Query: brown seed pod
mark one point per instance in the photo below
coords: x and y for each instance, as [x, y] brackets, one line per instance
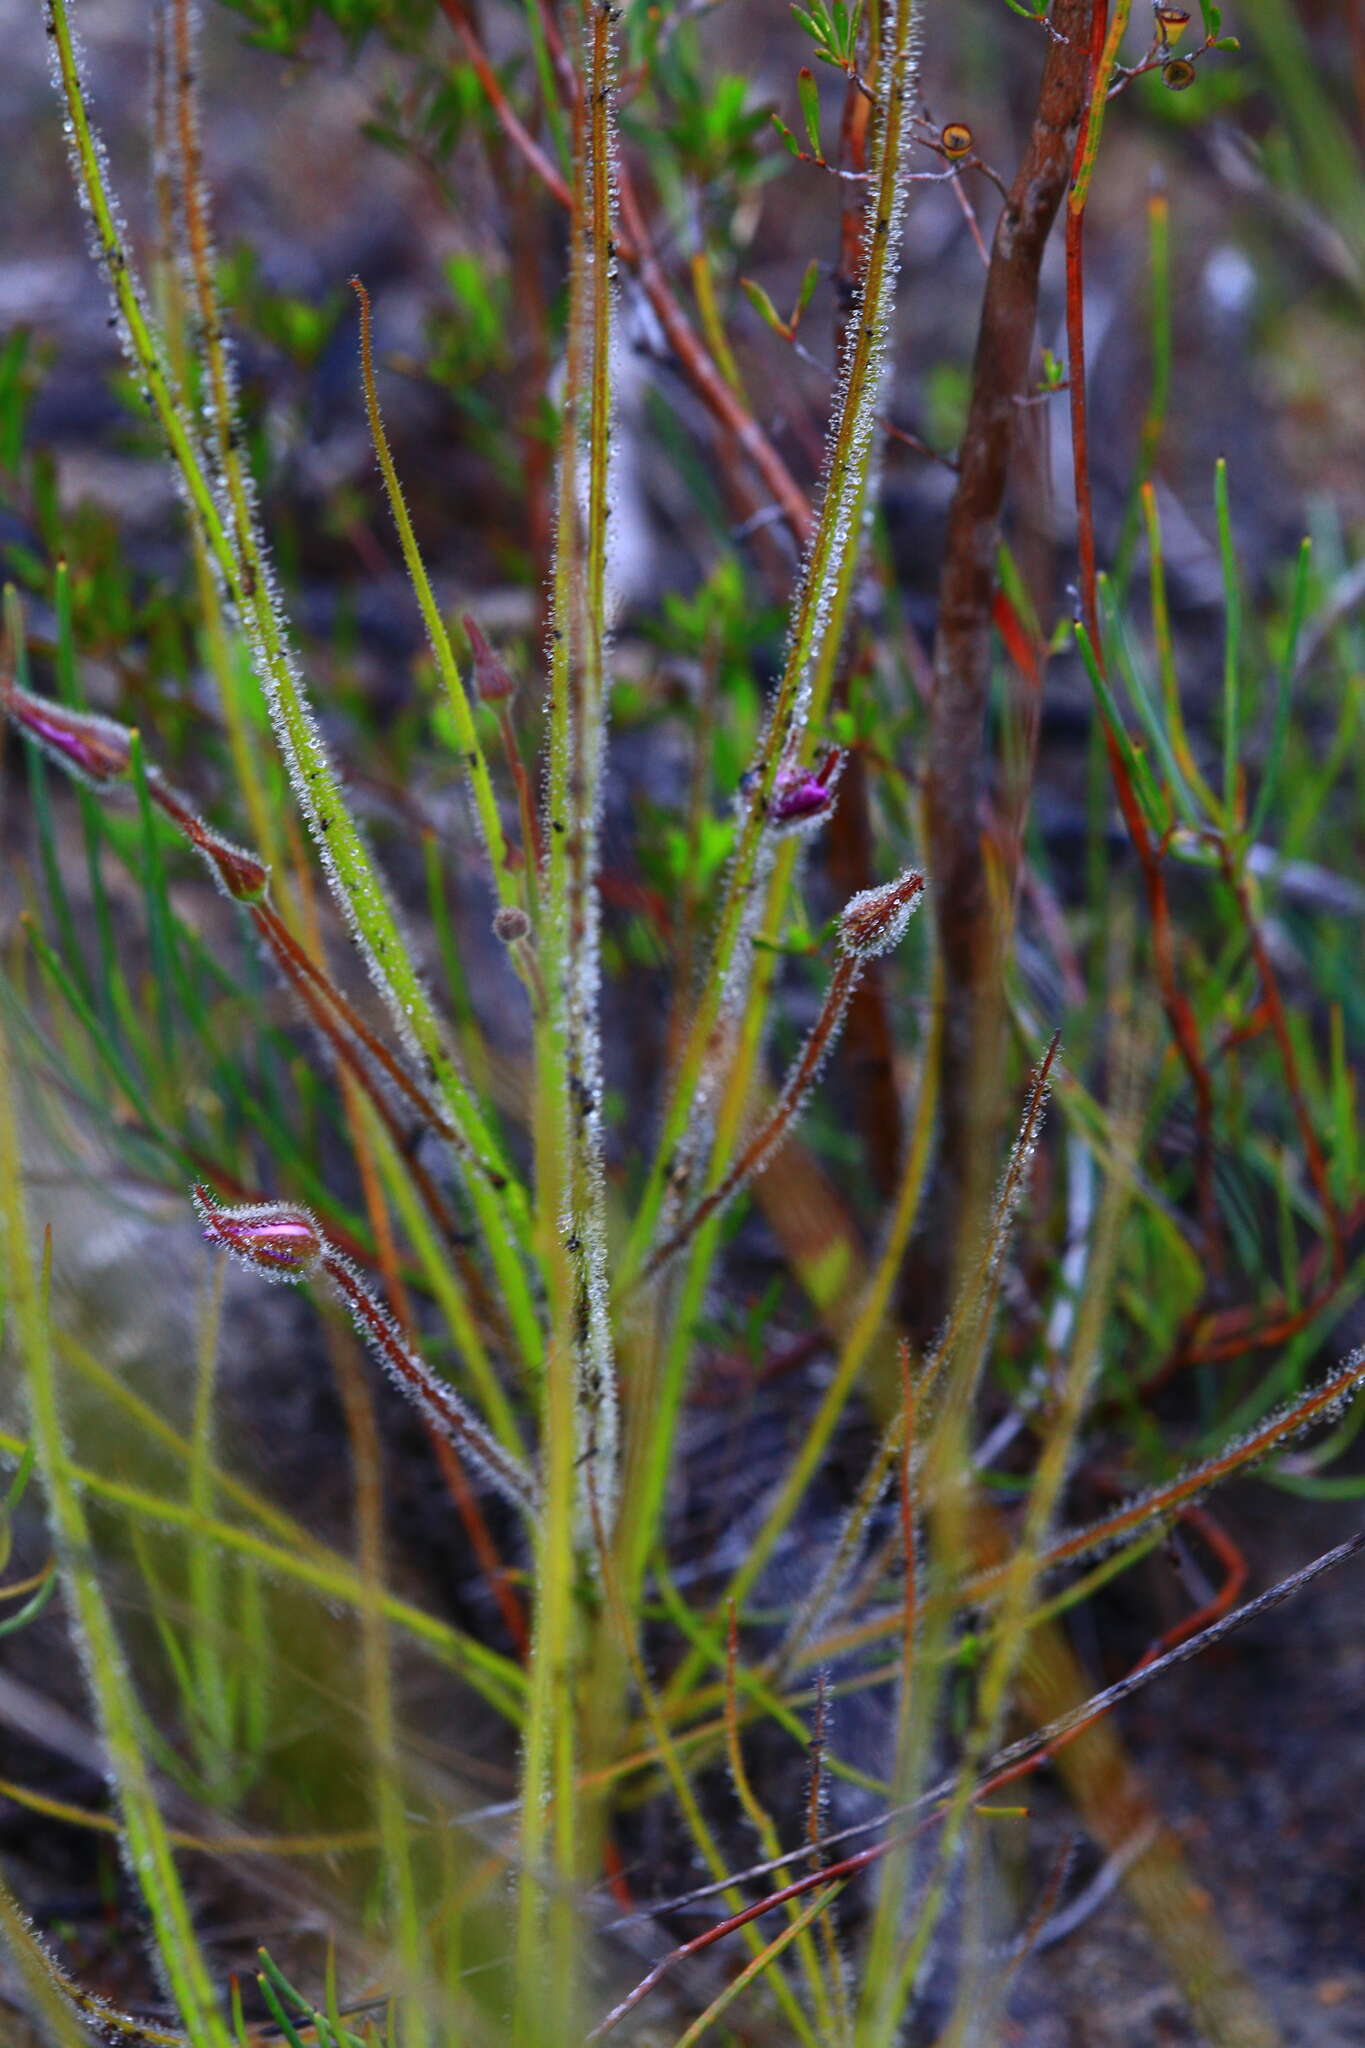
[874, 920]
[955, 140]
[1178, 75]
[511, 925]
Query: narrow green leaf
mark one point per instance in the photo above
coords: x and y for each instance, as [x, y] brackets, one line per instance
[807, 291]
[1119, 652]
[150, 1854]
[788, 138]
[809, 94]
[764, 307]
[1232, 645]
[1139, 773]
[1284, 691]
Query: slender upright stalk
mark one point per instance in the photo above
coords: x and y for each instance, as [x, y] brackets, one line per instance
[226, 519]
[578, 1411]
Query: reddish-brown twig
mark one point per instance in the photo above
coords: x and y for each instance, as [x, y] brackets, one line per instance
[966, 916]
[1233, 1560]
[509, 119]
[634, 247]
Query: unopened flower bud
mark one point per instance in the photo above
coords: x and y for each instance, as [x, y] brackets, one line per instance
[244, 878]
[800, 796]
[490, 675]
[955, 140]
[797, 796]
[875, 920]
[511, 925]
[273, 1238]
[94, 748]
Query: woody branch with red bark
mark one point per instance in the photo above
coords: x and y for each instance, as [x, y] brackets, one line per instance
[968, 926]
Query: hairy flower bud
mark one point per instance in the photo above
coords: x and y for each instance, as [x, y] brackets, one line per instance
[274, 1239]
[95, 748]
[511, 924]
[797, 797]
[244, 878]
[875, 920]
[802, 796]
[490, 674]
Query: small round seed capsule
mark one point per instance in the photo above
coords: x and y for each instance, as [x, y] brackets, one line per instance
[511, 925]
[955, 140]
[1178, 75]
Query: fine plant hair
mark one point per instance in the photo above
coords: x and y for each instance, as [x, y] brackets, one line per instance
[548, 1279]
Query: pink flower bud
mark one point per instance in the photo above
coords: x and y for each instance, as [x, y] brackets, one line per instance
[490, 675]
[875, 920]
[95, 748]
[273, 1238]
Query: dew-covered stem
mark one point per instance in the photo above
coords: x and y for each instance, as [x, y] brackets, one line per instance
[509, 888]
[279, 1241]
[235, 549]
[820, 612]
[863, 937]
[578, 1425]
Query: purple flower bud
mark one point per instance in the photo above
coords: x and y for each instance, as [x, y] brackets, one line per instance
[797, 795]
[95, 748]
[273, 1238]
[802, 795]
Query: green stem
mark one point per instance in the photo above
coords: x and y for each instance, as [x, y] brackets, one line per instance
[233, 544]
[821, 609]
